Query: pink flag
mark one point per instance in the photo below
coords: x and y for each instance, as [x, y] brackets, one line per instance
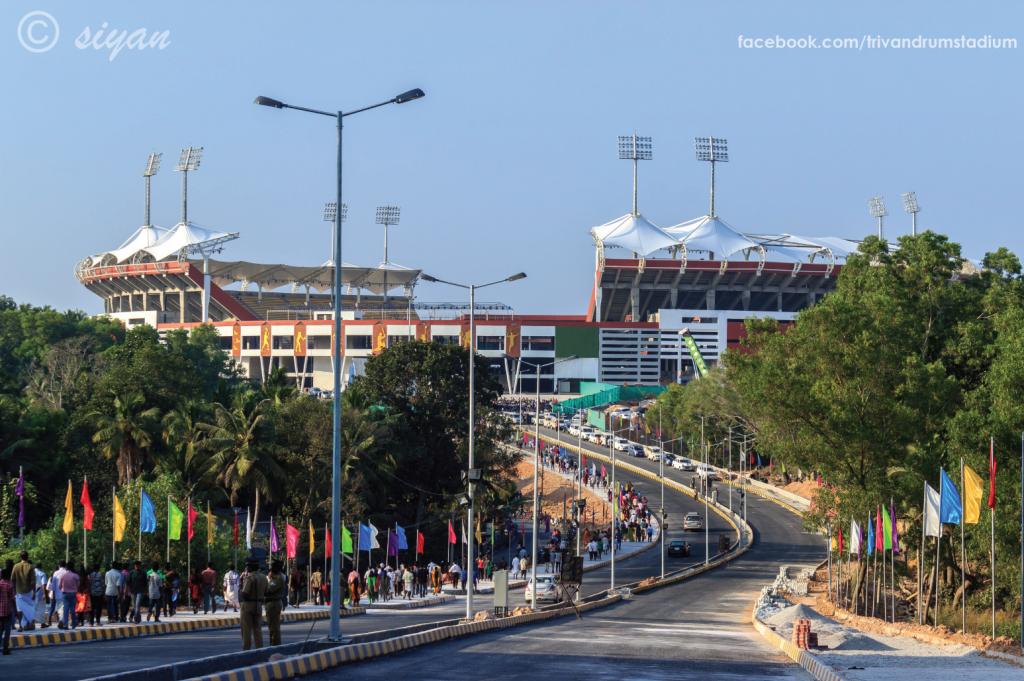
[274, 546]
[291, 540]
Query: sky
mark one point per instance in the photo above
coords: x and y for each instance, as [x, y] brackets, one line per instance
[511, 158]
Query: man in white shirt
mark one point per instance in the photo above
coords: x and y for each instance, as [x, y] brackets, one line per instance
[40, 597]
[54, 588]
[514, 571]
[113, 580]
[231, 579]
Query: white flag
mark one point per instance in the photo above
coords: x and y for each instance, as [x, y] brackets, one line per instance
[373, 535]
[248, 530]
[932, 526]
[854, 538]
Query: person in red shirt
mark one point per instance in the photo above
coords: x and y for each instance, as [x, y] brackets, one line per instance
[6, 609]
[208, 584]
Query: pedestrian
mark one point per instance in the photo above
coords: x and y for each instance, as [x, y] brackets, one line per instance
[353, 587]
[515, 567]
[231, 579]
[294, 585]
[138, 583]
[371, 584]
[111, 590]
[195, 590]
[524, 566]
[7, 610]
[155, 591]
[208, 586]
[252, 594]
[172, 591]
[68, 588]
[97, 595]
[315, 580]
[23, 579]
[273, 600]
[40, 596]
[407, 579]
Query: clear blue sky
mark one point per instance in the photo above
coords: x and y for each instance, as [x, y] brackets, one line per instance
[511, 158]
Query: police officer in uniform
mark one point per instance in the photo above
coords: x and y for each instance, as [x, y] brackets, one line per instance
[254, 590]
[277, 587]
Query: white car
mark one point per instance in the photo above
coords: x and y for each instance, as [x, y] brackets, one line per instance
[635, 450]
[574, 430]
[683, 464]
[705, 471]
[654, 453]
[620, 444]
[547, 589]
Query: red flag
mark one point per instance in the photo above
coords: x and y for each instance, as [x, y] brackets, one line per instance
[879, 531]
[991, 473]
[87, 505]
[420, 542]
[452, 539]
[291, 540]
[840, 540]
[236, 528]
[583, 460]
[192, 514]
[328, 551]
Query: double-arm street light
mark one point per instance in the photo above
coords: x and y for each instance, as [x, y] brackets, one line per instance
[339, 116]
[615, 498]
[536, 467]
[472, 475]
[661, 462]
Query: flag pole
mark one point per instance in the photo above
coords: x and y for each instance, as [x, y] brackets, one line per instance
[140, 523]
[963, 558]
[188, 545]
[85, 535]
[169, 529]
[894, 533]
[209, 537]
[1022, 538]
[938, 558]
[920, 550]
[885, 596]
[992, 525]
[113, 525]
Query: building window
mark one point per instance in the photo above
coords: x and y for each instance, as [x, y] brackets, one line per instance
[539, 343]
[363, 342]
[490, 342]
[284, 342]
[318, 343]
[445, 340]
[250, 342]
[393, 340]
[225, 342]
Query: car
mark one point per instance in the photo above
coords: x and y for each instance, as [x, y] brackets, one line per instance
[654, 453]
[683, 464]
[547, 589]
[678, 547]
[693, 521]
[635, 449]
[574, 430]
[706, 471]
[620, 444]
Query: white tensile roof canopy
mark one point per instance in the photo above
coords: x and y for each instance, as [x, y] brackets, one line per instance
[712, 235]
[319, 277]
[633, 232]
[143, 238]
[186, 239]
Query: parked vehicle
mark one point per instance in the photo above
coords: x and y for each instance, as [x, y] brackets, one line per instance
[547, 589]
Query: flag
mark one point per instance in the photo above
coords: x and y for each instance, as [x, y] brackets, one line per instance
[147, 514]
[886, 529]
[840, 540]
[871, 536]
[950, 510]
[478, 534]
[210, 525]
[879, 531]
[69, 512]
[87, 505]
[855, 539]
[452, 539]
[174, 519]
[403, 542]
[895, 531]
[991, 473]
[604, 471]
[192, 515]
[366, 540]
[973, 492]
[120, 521]
[373, 536]
[932, 527]
[327, 539]
[420, 542]
[291, 540]
[248, 529]
[19, 491]
[312, 540]
[274, 546]
[346, 541]
[392, 543]
[234, 531]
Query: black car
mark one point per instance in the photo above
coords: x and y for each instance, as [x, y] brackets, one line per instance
[678, 547]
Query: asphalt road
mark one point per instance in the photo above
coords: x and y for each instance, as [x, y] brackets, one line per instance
[698, 629]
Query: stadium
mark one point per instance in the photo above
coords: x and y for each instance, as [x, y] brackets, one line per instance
[651, 287]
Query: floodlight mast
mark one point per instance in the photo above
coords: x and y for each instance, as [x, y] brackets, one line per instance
[330, 213]
[876, 206]
[152, 168]
[713, 150]
[910, 205]
[387, 215]
[634, 148]
[189, 161]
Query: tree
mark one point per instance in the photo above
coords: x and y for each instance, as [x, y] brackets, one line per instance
[241, 441]
[185, 437]
[124, 432]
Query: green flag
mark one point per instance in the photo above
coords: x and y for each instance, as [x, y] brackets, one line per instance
[346, 540]
[887, 529]
[174, 519]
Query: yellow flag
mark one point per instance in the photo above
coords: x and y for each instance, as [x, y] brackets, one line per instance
[973, 491]
[312, 542]
[209, 525]
[120, 520]
[69, 512]
[479, 535]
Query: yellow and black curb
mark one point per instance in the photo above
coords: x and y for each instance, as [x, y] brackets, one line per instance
[84, 635]
[301, 665]
[412, 605]
[814, 666]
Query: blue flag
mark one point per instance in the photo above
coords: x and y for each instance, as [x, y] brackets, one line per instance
[147, 514]
[871, 536]
[403, 543]
[365, 538]
[951, 511]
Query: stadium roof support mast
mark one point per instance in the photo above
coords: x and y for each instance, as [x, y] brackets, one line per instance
[330, 214]
[387, 215]
[189, 161]
[876, 206]
[634, 148]
[910, 206]
[339, 116]
[713, 150]
[152, 168]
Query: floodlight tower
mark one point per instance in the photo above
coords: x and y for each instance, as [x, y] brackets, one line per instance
[910, 206]
[387, 215]
[876, 206]
[331, 213]
[634, 148]
[152, 168]
[713, 150]
[189, 161]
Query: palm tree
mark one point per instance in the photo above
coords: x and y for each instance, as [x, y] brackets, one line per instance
[277, 387]
[123, 433]
[242, 458]
[185, 439]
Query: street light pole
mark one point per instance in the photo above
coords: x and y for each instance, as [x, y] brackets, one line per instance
[704, 448]
[408, 96]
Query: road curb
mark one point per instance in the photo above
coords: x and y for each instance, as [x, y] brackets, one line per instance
[65, 637]
[814, 666]
[412, 605]
[301, 665]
